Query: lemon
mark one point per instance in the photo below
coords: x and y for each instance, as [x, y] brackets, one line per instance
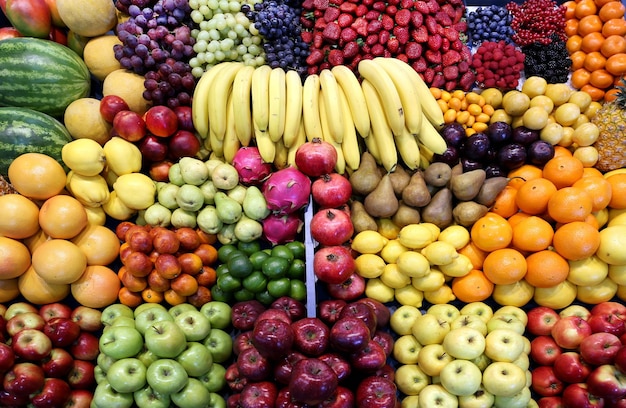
[556, 297]
[387, 228]
[617, 273]
[369, 265]
[457, 235]
[514, 294]
[434, 229]
[440, 253]
[617, 217]
[410, 296]
[535, 118]
[377, 290]
[413, 264]
[460, 266]
[368, 242]
[440, 296]
[602, 292]
[392, 250]
[416, 236]
[612, 242]
[433, 280]
[393, 278]
[588, 271]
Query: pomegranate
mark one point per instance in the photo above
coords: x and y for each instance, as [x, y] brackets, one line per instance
[250, 166]
[316, 157]
[331, 227]
[333, 264]
[331, 190]
[287, 190]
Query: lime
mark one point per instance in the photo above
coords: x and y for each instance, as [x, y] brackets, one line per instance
[224, 251]
[221, 270]
[228, 283]
[218, 294]
[297, 248]
[256, 282]
[297, 290]
[243, 294]
[265, 297]
[297, 270]
[279, 287]
[249, 247]
[283, 251]
[275, 267]
[240, 266]
[257, 258]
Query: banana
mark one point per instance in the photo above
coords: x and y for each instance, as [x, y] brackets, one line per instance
[389, 97]
[371, 147]
[429, 105]
[350, 143]
[430, 137]
[300, 140]
[293, 112]
[425, 152]
[280, 158]
[260, 97]
[241, 104]
[407, 89]
[382, 132]
[408, 148]
[199, 107]
[231, 141]
[613, 172]
[267, 148]
[218, 92]
[334, 114]
[352, 90]
[217, 145]
[277, 104]
[310, 107]
[340, 166]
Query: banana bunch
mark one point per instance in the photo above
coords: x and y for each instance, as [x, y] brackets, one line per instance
[389, 111]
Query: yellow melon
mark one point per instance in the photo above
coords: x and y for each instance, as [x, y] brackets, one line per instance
[99, 57]
[90, 18]
[83, 120]
[128, 86]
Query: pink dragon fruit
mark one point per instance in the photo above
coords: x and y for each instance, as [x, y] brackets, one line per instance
[281, 228]
[250, 166]
[287, 190]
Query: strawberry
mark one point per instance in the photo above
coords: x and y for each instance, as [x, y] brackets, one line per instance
[467, 80]
[393, 45]
[348, 34]
[391, 10]
[420, 34]
[307, 36]
[445, 44]
[419, 64]
[450, 58]
[460, 26]
[438, 80]
[431, 24]
[335, 57]
[387, 22]
[348, 7]
[457, 45]
[451, 34]
[433, 57]
[443, 18]
[372, 15]
[345, 20]
[331, 14]
[318, 39]
[434, 42]
[459, 14]
[402, 17]
[393, 2]
[374, 26]
[320, 4]
[406, 4]
[433, 6]
[316, 56]
[320, 24]
[413, 50]
[360, 26]
[307, 22]
[350, 50]
[403, 58]
[463, 66]
[308, 5]
[422, 7]
[417, 18]
[451, 72]
[371, 39]
[378, 50]
[324, 65]
[331, 32]
[429, 76]
[383, 37]
[401, 34]
[450, 85]
[335, 2]
[361, 10]
[466, 54]
[365, 48]
[312, 70]
[379, 6]
[449, 10]
[368, 3]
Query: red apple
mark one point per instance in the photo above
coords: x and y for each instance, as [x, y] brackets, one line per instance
[63, 331]
[571, 368]
[570, 331]
[87, 318]
[79, 399]
[23, 379]
[544, 350]
[129, 125]
[81, 375]
[578, 395]
[50, 310]
[349, 290]
[31, 345]
[58, 364]
[7, 358]
[620, 359]
[28, 320]
[550, 402]
[55, 393]
[85, 347]
[19, 307]
[545, 382]
[607, 381]
[600, 348]
[377, 392]
[382, 312]
[615, 308]
[541, 319]
[161, 121]
[607, 323]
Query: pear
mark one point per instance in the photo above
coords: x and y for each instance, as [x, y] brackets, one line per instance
[466, 213]
[382, 201]
[361, 220]
[193, 171]
[399, 179]
[254, 204]
[416, 193]
[228, 209]
[465, 186]
[439, 210]
[438, 174]
[365, 179]
[406, 215]
[490, 190]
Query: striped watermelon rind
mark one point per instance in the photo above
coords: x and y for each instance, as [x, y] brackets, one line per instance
[24, 130]
[41, 75]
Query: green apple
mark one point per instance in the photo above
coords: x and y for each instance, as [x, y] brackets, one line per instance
[465, 343]
[147, 357]
[481, 362]
[220, 344]
[444, 311]
[147, 318]
[506, 321]
[165, 339]
[461, 377]
[182, 307]
[575, 310]
[149, 398]
[504, 379]
[513, 310]
[193, 395]
[523, 361]
[410, 379]
[430, 329]
[219, 313]
[215, 379]
[504, 345]
[99, 374]
[147, 305]
[166, 376]
[410, 401]
[194, 324]
[121, 342]
[113, 311]
[127, 375]
[480, 399]
[122, 321]
[434, 395]
[196, 359]
[432, 358]
[104, 396]
[402, 319]
[519, 400]
[480, 309]
[104, 361]
[216, 401]
[473, 321]
[406, 349]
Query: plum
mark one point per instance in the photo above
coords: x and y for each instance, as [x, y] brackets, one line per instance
[512, 156]
[476, 146]
[499, 133]
[539, 152]
[524, 136]
[449, 156]
[453, 133]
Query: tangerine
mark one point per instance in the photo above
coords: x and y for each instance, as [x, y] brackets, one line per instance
[532, 234]
[569, 204]
[532, 197]
[563, 171]
[576, 240]
[473, 287]
[546, 268]
[598, 188]
[491, 232]
[618, 191]
[505, 266]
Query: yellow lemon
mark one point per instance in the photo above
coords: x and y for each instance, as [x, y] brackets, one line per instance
[410, 296]
[515, 294]
[392, 250]
[556, 297]
[612, 243]
[457, 235]
[368, 242]
[369, 266]
[621, 292]
[617, 273]
[434, 229]
[440, 296]
[393, 278]
[602, 216]
[377, 290]
[387, 228]
[416, 236]
[588, 271]
[460, 266]
[413, 264]
[433, 280]
[616, 217]
[602, 292]
[440, 253]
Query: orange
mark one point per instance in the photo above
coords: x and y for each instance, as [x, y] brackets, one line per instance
[20, 216]
[37, 176]
[14, 258]
[611, 95]
[505, 266]
[591, 172]
[505, 204]
[532, 234]
[618, 191]
[616, 64]
[601, 78]
[173, 298]
[592, 42]
[128, 298]
[570, 9]
[612, 9]
[596, 93]
[571, 27]
[475, 254]
[569, 204]
[613, 44]
[62, 216]
[491, 232]
[59, 261]
[598, 188]
[589, 24]
[594, 60]
[546, 269]
[573, 43]
[36, 290]
[522, 174]
[516, 218]
[578, 59]
[563, 171]
[98, 287]
[473, 287]
[99, 244]
[614, 26]
[585, 8]
[576, 240]
[150, 295]
[580, 78]
[532, 197]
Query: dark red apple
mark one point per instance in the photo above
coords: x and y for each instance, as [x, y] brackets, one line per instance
[382, 312]
[607, 323]
[153, 148]
[545, 382]
[600, 348]
[23, 379]
[55, 393]
[329, 310]
[284, 366]
[550, 402]
[161, 121]
[342, 398]
[571, 368]
[376, 392]
[183, 143]
[385, 339]
[620, 359]
[234, 379]
[278, 314]
[258, 394]
[79, 399]
[312, 381]
[295, 309]
[311, 336]
[541, 319]
[544, 350]
[85, 347]
[242, 341]
[370, 358]
[253, 365]
[58, 364]
[245, 314]
[57, 309]
[7, 358]
[349, 335]
[361, 311]
[284, 400]
[340, 365]
[607, 381]
[273, 337]
[63, 331]
[81, 375]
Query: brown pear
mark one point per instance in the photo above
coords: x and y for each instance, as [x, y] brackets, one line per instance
[406, 215]
[490, 190]
[361, 220]
[439, 210]
[399, 179]
[382, 201]
[456, 170]
[437, 174]
[465, 186]
[365, 179]
[416, 193]
[466, 213]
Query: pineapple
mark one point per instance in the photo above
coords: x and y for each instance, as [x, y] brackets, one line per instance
[611, 143]
[5, 187]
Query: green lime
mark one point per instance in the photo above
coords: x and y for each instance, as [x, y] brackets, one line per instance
[228, 283]
[268, 251]
[297, 270]
[297, 290]
[218, 294]
[240, 266]
[283, 251]
[249, 247]
[275, 267]
[224, 251]
[279, 287]
[257, 259]
[256, 282]
[265, 298]
[298, 249]
[221, 270]
[243, 294]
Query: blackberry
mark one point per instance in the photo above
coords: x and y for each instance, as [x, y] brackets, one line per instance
[550, 61]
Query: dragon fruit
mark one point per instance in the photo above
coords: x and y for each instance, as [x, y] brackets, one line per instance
[287, 190]
[281, 228]
[250, 166]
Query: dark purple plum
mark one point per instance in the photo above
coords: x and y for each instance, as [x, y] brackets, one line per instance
[524, 136]
[539, 152]
[453, 134]
[469, 164]
[512, 156]
[499, 132]
[476, 146]
[494, 170]
[449, 156]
